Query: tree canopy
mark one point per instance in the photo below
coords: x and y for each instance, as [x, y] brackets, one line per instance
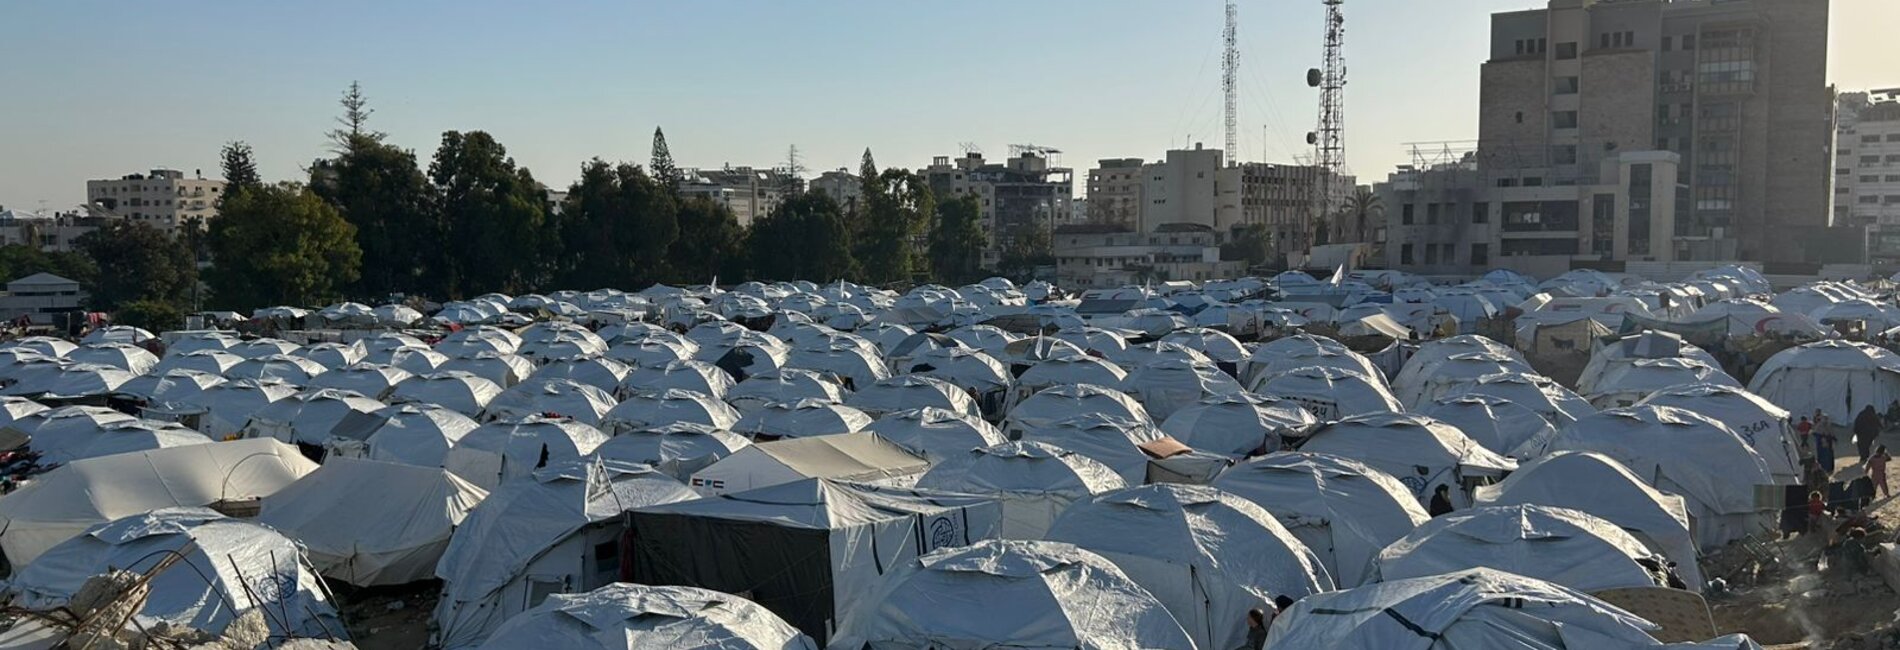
[804, 239]
[616, 228]
[280, 245]
[137, 262]
[495, 217]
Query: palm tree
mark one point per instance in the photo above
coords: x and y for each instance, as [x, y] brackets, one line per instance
[1361, 206]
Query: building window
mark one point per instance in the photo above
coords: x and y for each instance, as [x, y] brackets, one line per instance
[1564, 154]
[1669, 43]
[1480, 254]
[1431, 253]
[1563, 120]
[1520, 117]
[1405, 254]
[1870, 160]
[1893, 137]
[1567, 85]
[1603, 41]
[1480, 213]
[1405, 214]
[1870, 200]
[1431, 215]
[1874, 178]
[1688, 41]
[1603, 224]
[1640, 196]
[1893, 178]
[1842, 171]
[1869, 139]
[1566, 51]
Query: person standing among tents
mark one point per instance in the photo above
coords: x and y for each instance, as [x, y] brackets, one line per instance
[1441, 501]
[1804, 434]
[1893, 414]
[1824, 448]
[1257, 622]
[1877, 469]
[1866, 429]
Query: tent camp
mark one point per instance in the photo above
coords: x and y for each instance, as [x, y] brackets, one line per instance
[1061, 402]
[1109, 440]
[906, 392]
[1535, 392]
[1660, 520]
[1836, 377]
[623, 616]
[231, 568]
[1170, 385]
[678, 449]
[1479, 608]
[1684, 453]
[1330, 393]
[561, 397]
[1011, 594]
[1033, 482]
[1766, 427]
[1420, 452]
[1567, 547]
[1424, 363]
[1501, 425]
[369, 523]
[1207, 555]
[65, 502]
[811, 551]
[934, 433]
[801, 419]
[1457, 369]
[412, 434]
[505, 450]
[787, 385]
[1342, 509]
[860, 457]
[673, 405]
[372, 380]
[306, 419]
[1628, 382]
[461, 392]
[557, 533]
[1239, 424]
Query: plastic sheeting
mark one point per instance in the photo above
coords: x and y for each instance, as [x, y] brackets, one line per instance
[1033, 482]
[1836, 377]
[623, 616]
[1422, 453]
[1766, 427]
[1239, 425]
[370, 523]
[1567, 547]
[1685, 453]
[1342, 509]
[1479, 609]
[1659, 519]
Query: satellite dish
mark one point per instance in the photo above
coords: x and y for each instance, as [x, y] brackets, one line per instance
[1312, 138]
[1312, 77]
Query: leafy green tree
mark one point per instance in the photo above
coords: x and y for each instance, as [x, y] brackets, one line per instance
[616, 228]
[893, 223]
[379, 189]
[240, 168]
[664, 171]
[18, 261]
[495, 218]
[280, 245]
[1250, 243]
[1029, 247]
[805, 238]
[153, 315]
[957, 241]
[138, 262]
[710, 245]
[354, 128]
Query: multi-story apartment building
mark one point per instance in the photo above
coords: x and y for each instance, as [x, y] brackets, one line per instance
[1025, 193]
[1194, 186]
[55, 232]
[1115, 192]
[1736, 88]
[1092, 256]
[1454, 218]
[1867, 171]
[839, 184]
[164, 198]
[750, 193]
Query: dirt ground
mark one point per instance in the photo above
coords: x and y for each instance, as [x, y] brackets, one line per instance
[1786, 594]
[389, 618]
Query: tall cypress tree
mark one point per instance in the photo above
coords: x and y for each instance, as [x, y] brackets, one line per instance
[240, 169]
[662, 166]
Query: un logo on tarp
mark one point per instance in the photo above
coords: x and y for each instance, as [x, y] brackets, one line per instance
[943, 533]
[1414, 483]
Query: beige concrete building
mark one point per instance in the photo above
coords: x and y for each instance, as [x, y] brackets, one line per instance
[1456, 219]
[1867, 170]
[1115, 192]
[839, 184]
[1095, 256]
[164, 198]
[1027, 192]
[1194, 186]
[750, 193]
[1737, 88]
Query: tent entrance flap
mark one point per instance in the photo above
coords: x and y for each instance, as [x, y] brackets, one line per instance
[787, 570]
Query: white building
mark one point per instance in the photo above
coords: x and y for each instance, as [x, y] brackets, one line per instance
[1867, 169]
[1093, 256]
[41, 297]
[163, 198]
[55, 232]
[1194, 186]
[839, 184]
[1027, 192]
[750, 193]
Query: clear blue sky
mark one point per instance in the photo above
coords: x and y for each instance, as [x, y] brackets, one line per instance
[96, 89]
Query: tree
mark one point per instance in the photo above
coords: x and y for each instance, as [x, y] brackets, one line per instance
[18, 261]
[710, 244]
[355, 121]
[893, 219]
[138, 262]
[1252, 243]
[1360, 209]
[280, 245]
[240, 169]
[664, 171]
[803, 239]
[616, 228]
[495, 218]
[152, 315]
[1029, 247]
[379, 189]
[956, 241]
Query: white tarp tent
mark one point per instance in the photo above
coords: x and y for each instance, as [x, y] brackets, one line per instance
[506, 450]
[1479, 609]
[1688, 454]
[370, 523]
[934, 433]
[231, 568]
[533, 538]
[1420, 452]
[1062, 402]
[1567, 547]
[1342, 509]
[1011, 594]
[1207, 555]
[905, 392]
[623, 616]
[63, 503]
[1111, 441]
[1239, 425]
[1659, 519]
[1169, 385]
[678, 449]
[671, 406]
[1330, 393]
[1836, 377]
[860, 456]
[1766, 427]
[1502, 426]
[1033, 482]
[1536, 392]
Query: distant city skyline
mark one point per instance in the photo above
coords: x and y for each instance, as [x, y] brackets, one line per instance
[96, 93]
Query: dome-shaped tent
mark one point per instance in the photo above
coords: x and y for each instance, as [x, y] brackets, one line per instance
[934, 433]
[1567, 547]
[1681, 452]
[1659, 519]
[1034, 482]
[623, 616]
[1239, 424]
[1343, 509]
[1501, 425]
[1420, 452]
[1765, 427]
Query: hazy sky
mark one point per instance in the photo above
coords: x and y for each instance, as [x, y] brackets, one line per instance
[94, 89]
